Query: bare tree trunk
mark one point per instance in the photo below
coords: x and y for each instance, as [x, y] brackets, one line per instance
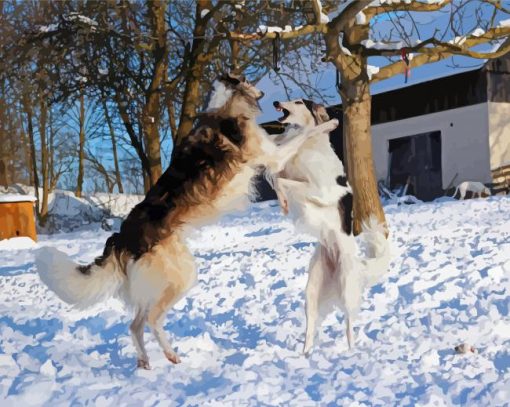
[171, 117]
[151, 109]
[26, 150]
[43, 215]
[146, 175]
[195, 71]
[235, 48]
[134, 139]
[14, 153]
[30, 127]
[51, 154]
[4, 177]
[118, 179]
[4, 181]
[169, 102]
[81, 151]
[356, 104]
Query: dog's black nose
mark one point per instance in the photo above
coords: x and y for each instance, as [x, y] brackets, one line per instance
[261, 95]
[276, 103]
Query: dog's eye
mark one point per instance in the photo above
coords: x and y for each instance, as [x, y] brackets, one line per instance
[298, 102]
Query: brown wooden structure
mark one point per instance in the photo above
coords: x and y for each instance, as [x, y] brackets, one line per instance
[501, 177]
[17, 217]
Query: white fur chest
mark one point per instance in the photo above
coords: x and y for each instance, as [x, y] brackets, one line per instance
[316, 163]
[236, 194]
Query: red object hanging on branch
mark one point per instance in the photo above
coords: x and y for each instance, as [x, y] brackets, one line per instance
[405, 57]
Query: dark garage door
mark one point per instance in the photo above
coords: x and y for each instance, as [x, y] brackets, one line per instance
[416, 160]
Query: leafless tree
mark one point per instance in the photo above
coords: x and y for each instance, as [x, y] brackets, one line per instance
[351, 38]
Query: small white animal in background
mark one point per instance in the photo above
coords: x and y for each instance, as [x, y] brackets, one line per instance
[465, 348]
[477, 188]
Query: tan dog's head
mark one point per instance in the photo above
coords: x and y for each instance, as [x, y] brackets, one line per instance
[302, 112]
[234, 96]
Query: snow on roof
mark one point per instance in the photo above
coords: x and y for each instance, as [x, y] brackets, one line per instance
[17, 198]
[17, 243]
[381, 87]
[504, 23]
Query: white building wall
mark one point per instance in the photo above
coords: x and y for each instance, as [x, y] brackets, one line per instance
[464, 142]
[499, 135]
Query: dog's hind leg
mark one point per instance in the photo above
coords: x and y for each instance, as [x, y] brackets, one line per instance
[155, 320]
[317, 297]
[136, 328]
[180, 275]
[462, 193]
[348, 331]
[157, 281]
[312, 309]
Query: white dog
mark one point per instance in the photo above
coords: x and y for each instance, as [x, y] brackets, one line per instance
[477, 188]
[313, 189]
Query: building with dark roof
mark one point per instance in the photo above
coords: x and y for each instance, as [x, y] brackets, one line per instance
[436, 134]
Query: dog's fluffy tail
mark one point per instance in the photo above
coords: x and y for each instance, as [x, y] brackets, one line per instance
[378, 254]
[82, 286]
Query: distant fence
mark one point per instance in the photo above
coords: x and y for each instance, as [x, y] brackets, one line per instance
[501, 179]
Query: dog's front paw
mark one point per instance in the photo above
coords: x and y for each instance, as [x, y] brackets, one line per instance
[285, 207]
[333, 124]
[143, 364]
[173, 357]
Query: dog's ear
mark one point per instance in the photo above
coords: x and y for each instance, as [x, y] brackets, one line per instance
[232, 79]
[230, 128]
[320, 113]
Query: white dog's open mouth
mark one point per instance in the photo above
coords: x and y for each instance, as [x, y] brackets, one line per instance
[286, 113]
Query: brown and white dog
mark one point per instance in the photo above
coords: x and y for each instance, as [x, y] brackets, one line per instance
[147, 263]
[476, 188]
[312, 187]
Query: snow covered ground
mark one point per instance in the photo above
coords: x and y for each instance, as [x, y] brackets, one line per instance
[240, 331]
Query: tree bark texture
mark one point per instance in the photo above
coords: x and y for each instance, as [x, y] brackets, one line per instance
[43, 215]
[356, 105]
[356, 102]
[81, 148]
[151, 109]
[30, 127]
[113, 138]
[194, 74]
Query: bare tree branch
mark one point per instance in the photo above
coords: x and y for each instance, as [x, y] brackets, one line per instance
[284, 35]
[347, 15]
[446, 50]
[418, 6]
[497, 5]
